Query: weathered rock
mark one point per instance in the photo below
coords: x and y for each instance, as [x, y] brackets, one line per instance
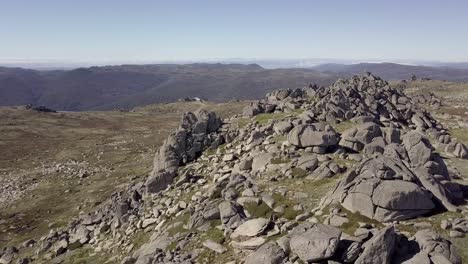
[216, 247]
[250, 244]
[313, 135]
[380, 248]
[417, 147]
[261, 161]
[282, 127]
[436, 247]
[231, 214]
[252, 110]
[318, 243]
[269, 253]
[420, 258]
[251, 228]
[405, 197]
[159, 181]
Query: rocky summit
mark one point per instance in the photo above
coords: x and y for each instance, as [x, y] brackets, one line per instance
[357, 172]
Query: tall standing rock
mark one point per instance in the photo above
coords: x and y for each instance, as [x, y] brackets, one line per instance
[184, 145]
[380, 248]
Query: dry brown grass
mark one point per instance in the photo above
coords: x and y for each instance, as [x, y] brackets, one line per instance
[120, 146]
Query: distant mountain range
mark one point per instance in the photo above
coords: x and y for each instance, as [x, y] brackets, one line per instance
[393, 71]
[126, 86]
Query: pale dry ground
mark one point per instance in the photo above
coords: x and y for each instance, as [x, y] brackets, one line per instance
[114, 147]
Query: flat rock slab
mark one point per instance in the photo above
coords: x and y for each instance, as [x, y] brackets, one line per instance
[250, 244]
[216, 247]
[251, 228]
[318, 243]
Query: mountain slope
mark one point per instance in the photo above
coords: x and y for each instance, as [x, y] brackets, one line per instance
[395, 71]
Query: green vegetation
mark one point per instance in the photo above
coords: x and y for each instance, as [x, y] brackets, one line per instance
[279, 160]
[279, 139]
[172, 246]
[215, 235]
[290, 213]
[342, 126]
[354, 219]
[346, 163]
[208, 256]
[298, 173]
[460, 134]
[179, 222]
[263, 119]
[242, 122]
[84, 255]
[315, 189]
[258, 210]
[212, 151]
[140, 238]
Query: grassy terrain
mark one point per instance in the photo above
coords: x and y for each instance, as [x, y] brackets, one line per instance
[113, 147]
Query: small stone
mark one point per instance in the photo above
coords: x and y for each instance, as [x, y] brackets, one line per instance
[149, 221]
[456, 234]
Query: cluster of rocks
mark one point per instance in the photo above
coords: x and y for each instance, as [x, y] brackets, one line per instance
[72, 169]
[40, 108]
[401, 182]
[187, 143]
[458, 226]
[14, 185]
[220, 189]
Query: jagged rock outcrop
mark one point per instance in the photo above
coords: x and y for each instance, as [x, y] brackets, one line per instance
[380, 248]
[319, 136]
[187, 143]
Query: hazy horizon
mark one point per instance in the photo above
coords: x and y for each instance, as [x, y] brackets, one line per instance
[151, 31]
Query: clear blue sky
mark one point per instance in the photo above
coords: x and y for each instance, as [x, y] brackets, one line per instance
[116, 30]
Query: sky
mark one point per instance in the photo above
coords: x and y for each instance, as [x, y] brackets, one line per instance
[138, 30]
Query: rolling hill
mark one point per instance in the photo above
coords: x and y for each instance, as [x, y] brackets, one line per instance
[126, 86]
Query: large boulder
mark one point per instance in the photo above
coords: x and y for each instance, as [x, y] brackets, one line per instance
[251, 228]
[439, 249]
[380, 248]
[318, 243]
[399, 200]
[282, 127]
[159, 181]
[260, 161]
[312, 135]
[182, 146]
[357, 137]
[457, 149]
[252, 110]
[418, 148]
[269, 253]
[387, 189]
[231, 214]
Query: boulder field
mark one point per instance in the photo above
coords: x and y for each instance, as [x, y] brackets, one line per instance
[332, 174]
